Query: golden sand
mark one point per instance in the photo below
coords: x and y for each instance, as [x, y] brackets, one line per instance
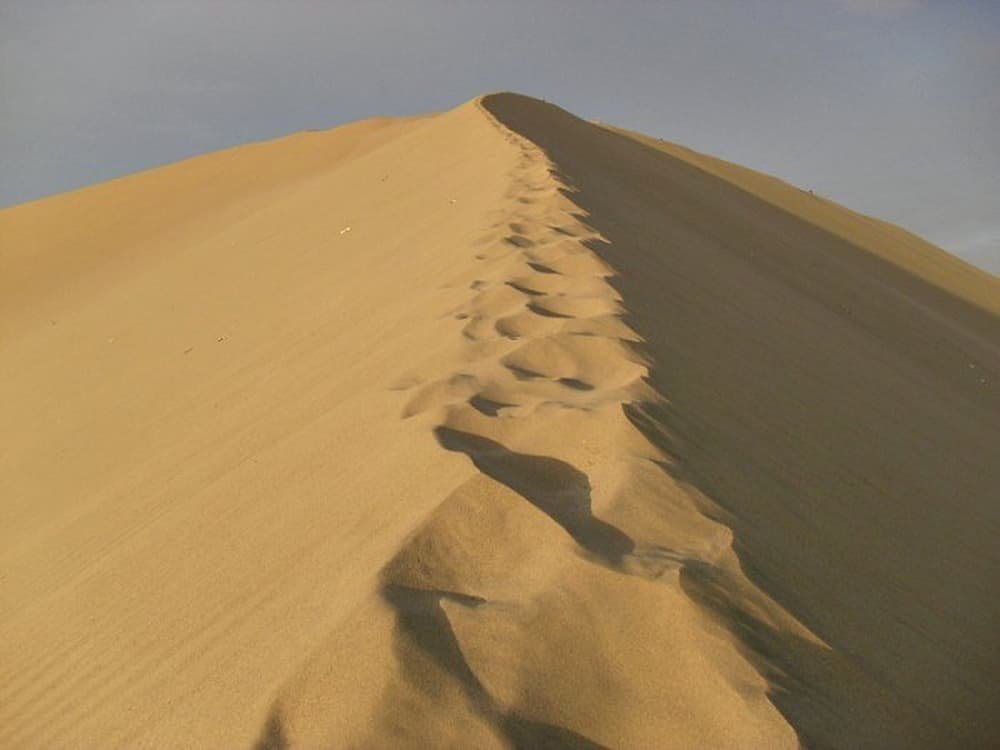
[492, 428]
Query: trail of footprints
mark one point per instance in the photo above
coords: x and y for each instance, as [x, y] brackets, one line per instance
[542, 330]
[542, 325]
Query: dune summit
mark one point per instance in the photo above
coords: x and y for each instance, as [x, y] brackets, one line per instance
[491, 428]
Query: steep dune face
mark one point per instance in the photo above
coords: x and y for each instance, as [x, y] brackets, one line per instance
[831, 383]
[462, 431]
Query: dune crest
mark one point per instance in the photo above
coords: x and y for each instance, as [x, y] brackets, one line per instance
[569, 539]
[494, 428]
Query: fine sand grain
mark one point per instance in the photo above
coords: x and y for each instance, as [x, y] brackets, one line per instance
[491, 428]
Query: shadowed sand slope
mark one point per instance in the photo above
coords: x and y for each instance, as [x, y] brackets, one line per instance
[491, 428]
[832, 384]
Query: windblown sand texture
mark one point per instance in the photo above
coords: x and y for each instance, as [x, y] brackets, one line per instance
[493, 428]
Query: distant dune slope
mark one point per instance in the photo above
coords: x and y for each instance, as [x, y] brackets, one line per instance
[492, 428]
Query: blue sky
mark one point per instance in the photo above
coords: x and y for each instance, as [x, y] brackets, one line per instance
[891, 107]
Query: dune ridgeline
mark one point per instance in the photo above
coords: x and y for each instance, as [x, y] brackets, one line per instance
[492, 428]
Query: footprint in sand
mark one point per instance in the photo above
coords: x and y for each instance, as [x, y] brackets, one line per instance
[556, 488]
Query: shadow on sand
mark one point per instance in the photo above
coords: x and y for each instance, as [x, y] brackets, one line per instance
[821, 397]
[555, 487]
[423, 623]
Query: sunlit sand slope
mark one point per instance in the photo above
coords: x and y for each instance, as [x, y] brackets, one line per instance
[492, 428]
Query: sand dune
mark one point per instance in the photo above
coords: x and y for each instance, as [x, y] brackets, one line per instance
[492, 428]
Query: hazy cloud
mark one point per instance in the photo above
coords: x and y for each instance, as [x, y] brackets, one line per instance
[878, 7]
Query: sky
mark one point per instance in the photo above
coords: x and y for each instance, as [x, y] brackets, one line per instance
[891, 107]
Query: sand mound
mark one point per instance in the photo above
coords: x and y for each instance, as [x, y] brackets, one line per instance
[495, 428]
